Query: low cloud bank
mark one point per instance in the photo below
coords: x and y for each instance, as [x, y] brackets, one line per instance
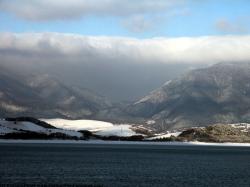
[69, 48]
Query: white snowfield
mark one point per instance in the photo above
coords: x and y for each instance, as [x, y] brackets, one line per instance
[10, 127]
[166, 135]
[77, 125]
[242, 126]
[119, 130]
[98, 127]
[5, 129]
[69, 127]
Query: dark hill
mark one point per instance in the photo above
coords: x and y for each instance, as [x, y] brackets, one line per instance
[217, 94]
[40, 95]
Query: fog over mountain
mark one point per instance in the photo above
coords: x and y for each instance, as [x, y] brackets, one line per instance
[216, 94]
[39, 95]
[79, 76]
[119, 68]
[118, 82]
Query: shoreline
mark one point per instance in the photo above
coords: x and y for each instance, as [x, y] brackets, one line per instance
[101, 142]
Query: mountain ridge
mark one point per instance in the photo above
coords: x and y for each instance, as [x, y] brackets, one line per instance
[41, 95]
[217, 94]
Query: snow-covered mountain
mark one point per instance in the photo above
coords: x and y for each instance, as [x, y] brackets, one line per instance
[40, 95]
[217, 94]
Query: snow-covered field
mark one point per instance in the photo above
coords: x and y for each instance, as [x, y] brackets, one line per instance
[244, 127]
[10, 127]
[69, 127]
[165, 135]
[5, 129]
[118, 130]
[77, 125]
[98, 127]
[22, 126]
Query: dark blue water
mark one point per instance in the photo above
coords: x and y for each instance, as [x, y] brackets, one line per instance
[124, 165]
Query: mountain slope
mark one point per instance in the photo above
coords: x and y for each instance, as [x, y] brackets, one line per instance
[40, 95]
[217, 94]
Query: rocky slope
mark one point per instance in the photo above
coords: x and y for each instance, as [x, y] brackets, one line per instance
[217, 133]
[217, 94]
[40, 95]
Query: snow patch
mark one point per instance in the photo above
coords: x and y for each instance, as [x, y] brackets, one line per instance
[10, 127]
[150, 122]
[5, 130]
[100, 128]
[27, 126]
[155, 96]
[119, 130]
[166, 135]
[77, 125]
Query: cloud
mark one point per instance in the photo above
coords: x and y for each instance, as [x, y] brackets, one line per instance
[47, 10]
[71, 48]
[226, 26]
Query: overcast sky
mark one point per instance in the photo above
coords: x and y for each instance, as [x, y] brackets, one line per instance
[168, 31]
[131, 33]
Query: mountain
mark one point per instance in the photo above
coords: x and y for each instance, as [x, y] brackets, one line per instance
[216, 94]
[40, 95]
[201, 97]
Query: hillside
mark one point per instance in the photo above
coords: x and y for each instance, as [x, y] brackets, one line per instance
[217, 94]
[201, 97]
[217, 133]
[40, 95]
[31, 128]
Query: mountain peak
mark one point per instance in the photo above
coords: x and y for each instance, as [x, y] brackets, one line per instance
[216, 94]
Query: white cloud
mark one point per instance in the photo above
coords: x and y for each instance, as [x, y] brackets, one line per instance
[43, 10]
[135, 16]
[49, 47]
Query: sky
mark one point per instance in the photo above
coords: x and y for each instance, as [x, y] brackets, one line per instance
[143, 31]
[122, 48]
[127, 18]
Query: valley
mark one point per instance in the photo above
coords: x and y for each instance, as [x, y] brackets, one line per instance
[216, 94]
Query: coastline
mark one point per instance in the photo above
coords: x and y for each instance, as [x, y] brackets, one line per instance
[100, 142]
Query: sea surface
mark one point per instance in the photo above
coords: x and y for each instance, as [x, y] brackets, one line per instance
[123, 165]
